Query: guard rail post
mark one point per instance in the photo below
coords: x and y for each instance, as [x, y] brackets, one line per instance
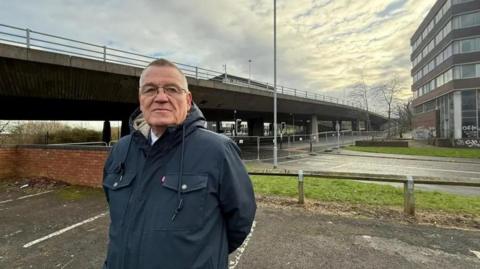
[288, 146]
[258, 148]
[301, 194]
[408, 196]
[311, 144]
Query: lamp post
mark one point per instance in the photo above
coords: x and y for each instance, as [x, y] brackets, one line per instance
[225, 67]
[249, 71]
[274, 84]
[293, 126]
[234, 133]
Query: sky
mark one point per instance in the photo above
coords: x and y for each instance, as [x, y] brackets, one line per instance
[323, 46]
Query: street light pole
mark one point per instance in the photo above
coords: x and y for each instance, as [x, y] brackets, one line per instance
[234, 133]
[249, 70]
[274, 84]
[225, 66]
[293, 125]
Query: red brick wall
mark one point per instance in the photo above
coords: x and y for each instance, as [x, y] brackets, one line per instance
[7, 160]
[425, 120]
[72, 164]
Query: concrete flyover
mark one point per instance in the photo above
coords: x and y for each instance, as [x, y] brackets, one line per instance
[45, 85]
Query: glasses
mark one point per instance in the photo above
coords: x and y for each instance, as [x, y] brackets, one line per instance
[152, 90]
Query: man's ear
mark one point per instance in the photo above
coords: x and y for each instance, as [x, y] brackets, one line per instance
[189, 100]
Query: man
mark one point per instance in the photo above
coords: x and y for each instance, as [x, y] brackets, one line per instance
[179, 195]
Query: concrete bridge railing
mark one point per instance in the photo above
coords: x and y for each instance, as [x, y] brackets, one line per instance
[44, 41]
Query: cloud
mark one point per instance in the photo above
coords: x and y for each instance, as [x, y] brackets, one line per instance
[322, 45]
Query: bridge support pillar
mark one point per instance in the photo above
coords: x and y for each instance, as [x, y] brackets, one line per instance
[255, 127]
[354, 125]
[314, 128]
[107, 132]
[219, 126]
[125, 129]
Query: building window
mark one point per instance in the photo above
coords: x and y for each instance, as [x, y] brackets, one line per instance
[469, 114]
[467, 71]
[429, 106]
[448, 76]
[418, 109]
[455, 2]
[467, 20]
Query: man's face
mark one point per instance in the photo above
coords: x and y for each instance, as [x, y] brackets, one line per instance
[163, 108]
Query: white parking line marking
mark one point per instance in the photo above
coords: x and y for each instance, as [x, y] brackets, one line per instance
[32, 195]
[242, 248]
[6, 201]
[64, 230]
[477, 253]
[12, 234]
[24, 197]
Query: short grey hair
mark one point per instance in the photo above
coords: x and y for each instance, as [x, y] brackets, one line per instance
[165, 63]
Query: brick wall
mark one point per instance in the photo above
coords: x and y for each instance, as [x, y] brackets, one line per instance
[7, 160]
[425, 120]
[72, 164]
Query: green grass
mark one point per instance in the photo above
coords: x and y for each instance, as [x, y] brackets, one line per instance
[334, 190]
[427, 151]
[74, 193]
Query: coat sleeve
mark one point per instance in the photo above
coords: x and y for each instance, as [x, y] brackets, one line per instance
[237, 198]
[108, 163]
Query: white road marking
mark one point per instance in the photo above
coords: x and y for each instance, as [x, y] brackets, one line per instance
[477, 253]
[397, 166]
[32, 195]
[12, 234]
[337, 166]
[24, 197]
[63, 230]
[434, 169]
[68, 263]
[6, 201]
[242, 248]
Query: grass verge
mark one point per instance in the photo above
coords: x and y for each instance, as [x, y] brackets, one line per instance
[74, 193]
[436, 152]
[333, 190]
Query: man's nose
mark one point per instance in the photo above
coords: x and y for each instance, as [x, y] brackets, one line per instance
[161, 96]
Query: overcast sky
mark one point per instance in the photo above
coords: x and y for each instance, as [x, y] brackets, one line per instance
[322, 46]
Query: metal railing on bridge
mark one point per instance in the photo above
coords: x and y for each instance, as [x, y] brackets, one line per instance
[44, 41]
[292, 145]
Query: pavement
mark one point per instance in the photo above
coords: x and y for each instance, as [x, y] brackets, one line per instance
[405, 157]
[66, 227]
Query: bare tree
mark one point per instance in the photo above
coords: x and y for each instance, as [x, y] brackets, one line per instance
[404, 113]
[390, 92]
[363, 93]
[4, 126]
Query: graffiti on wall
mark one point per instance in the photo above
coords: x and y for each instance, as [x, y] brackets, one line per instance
[469, 131]
[422, 133]
[468, 143]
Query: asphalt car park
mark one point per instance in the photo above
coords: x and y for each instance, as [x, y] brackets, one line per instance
[66, 227]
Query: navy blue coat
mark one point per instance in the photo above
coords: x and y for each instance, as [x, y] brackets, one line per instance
[185, 202]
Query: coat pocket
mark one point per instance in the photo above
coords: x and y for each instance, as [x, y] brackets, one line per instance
[118, 189]
[193, 190]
